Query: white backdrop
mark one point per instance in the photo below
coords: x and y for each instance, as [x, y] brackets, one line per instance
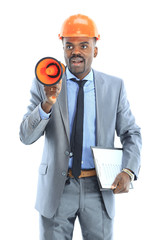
[131, 47]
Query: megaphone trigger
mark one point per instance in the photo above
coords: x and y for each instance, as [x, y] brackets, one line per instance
[49, 71]
[53, 97]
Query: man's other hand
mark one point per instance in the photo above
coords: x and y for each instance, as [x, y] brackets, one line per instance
[121, 183]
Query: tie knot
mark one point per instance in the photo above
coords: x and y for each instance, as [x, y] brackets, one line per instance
[80, 82]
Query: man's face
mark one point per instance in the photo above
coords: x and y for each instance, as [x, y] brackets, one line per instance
[79, 53]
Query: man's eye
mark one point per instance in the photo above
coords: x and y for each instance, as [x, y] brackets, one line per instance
[69, 47]
[84, 46]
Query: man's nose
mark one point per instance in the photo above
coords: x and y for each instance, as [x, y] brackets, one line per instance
[76, 51]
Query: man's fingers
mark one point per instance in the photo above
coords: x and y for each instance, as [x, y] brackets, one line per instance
[115, 183]
[52, 92]
[119, 189]
[121, 183]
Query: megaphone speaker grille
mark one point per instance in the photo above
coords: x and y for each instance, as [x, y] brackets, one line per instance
[49, 71]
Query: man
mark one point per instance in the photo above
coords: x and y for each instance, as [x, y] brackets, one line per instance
[64, 191]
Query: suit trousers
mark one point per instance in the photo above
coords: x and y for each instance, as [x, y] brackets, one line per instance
[81, 198]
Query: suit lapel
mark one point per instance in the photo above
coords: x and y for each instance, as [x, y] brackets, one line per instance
[99, 103]
[63, 106]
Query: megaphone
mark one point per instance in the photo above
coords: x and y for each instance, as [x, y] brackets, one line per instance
[49, 71]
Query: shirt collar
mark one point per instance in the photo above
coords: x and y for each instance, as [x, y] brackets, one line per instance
[89, 76]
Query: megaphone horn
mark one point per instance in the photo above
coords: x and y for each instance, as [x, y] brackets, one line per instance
[49, 71]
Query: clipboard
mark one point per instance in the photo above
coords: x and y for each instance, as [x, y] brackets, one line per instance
[108, 164]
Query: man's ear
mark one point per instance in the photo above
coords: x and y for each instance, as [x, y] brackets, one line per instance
[95, 52]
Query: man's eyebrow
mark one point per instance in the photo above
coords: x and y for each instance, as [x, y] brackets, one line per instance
[84, 42]
[68, 43]
[80, 42]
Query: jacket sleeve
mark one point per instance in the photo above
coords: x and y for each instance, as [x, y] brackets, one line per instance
[129, 134]
[32, 126]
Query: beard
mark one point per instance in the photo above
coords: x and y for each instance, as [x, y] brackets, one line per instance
[76, 64]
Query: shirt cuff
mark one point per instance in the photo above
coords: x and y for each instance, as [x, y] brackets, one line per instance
[44, 115]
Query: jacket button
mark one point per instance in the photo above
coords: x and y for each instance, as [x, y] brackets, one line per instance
[67, 153]
[63, 174]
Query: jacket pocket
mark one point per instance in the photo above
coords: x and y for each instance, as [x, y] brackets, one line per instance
[43, 169]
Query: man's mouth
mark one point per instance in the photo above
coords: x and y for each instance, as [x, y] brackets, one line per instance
[76, 61]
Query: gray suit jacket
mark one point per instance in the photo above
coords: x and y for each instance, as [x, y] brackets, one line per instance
[113, 114]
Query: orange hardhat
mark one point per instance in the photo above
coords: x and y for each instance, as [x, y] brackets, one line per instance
[79, 26]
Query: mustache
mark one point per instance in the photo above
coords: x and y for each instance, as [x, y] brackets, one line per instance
[76, 56]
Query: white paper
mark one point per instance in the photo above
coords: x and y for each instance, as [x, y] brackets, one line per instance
[108, 164]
